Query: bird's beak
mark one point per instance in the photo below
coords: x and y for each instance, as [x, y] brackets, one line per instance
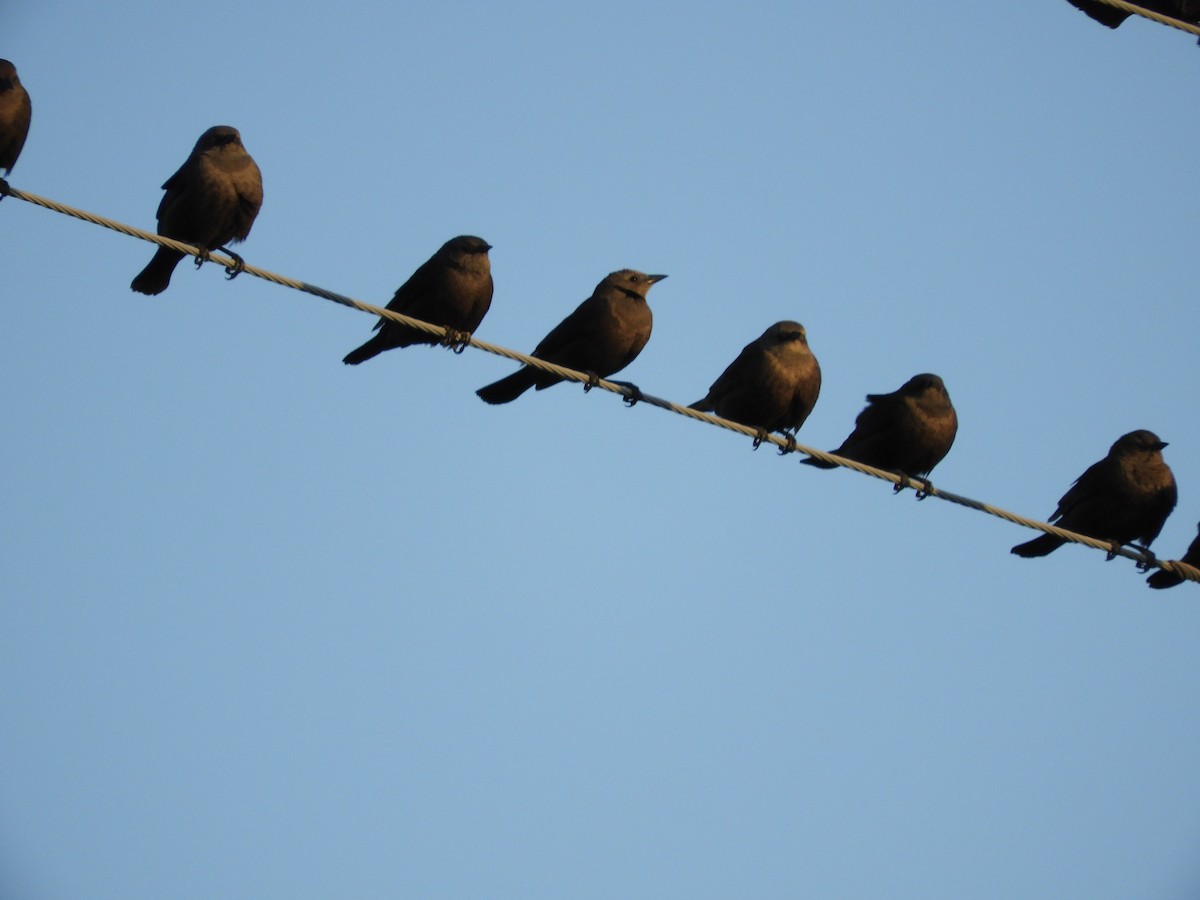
[1161, 445]
[653, 279]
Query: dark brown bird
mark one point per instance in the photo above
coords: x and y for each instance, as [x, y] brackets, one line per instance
[15, 113]
[1164, 579]
[1125, 497]
[602, 336]
[453, 288]
[1184, 10]
[908, 431]
[211, 201]
[772, 385]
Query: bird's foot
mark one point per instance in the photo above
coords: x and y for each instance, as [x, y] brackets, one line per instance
[760, 435]
[202, 257]
[456, 341]
[1149, 560]
[239, 264]
[922, 486]
[632, 393]
[593, 380]
[789, 444]
[1114, 550]
[635, 393]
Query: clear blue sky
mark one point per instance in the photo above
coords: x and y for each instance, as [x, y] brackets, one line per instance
[277, 627]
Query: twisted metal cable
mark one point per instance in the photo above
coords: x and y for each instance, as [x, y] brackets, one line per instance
[1153, 16]
[631, 394]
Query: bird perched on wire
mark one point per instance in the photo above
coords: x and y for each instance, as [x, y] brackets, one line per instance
[773, 384]
[211, 201]
[1125, 497]
[453, 288]
[908, 431]
[15, 113]
[1164, 579]
[601, 337]
[1184, 10]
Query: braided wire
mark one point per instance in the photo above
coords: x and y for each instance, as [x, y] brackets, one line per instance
[632, 395]
[1153, 16]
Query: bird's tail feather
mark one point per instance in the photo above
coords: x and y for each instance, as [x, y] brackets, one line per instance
[1164, 579]
[157, 275]
[1039, 546]
[819, 463]
[510, 387]
[371, 348]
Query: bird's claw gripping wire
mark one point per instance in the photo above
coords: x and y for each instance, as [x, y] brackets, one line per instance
[922, 486]
[202, 257]
[456, 341]
[760, 435]
[789, 444]
[634, 393]
[239, 264]
[593, 380]
[1149, 560]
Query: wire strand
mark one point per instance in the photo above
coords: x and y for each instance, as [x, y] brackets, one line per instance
[631, 394]
[1153, 16]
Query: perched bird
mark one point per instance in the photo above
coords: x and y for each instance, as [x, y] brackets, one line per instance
[211, 201]
[908, 431]
[772, 385]
[602, 336]
[453, 288]
[1184, 10]
[1125, 497]
[1164, 579]
[15, 112]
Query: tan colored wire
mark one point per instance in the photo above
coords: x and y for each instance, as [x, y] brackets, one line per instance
[1153, 16]
[631, 395]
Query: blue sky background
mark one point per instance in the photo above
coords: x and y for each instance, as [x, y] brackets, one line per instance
[278, 627]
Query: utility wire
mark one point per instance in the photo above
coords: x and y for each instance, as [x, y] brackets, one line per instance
[632, 395]
[1153, 16]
